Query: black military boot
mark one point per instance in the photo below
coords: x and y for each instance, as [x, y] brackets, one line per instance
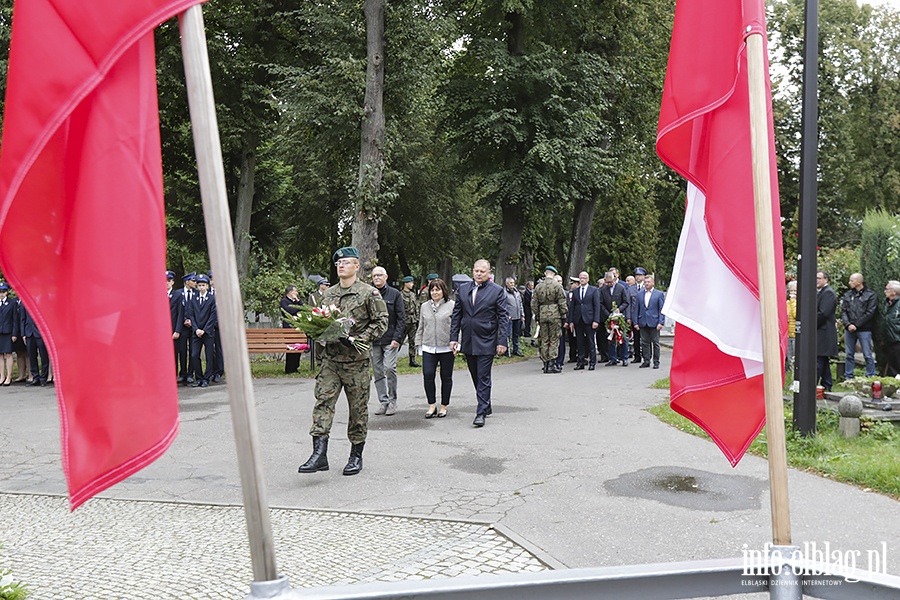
[413, 363]
[546, 366]
[354, 465]
[318, 461]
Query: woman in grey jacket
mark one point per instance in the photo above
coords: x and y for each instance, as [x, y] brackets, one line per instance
[433, 340]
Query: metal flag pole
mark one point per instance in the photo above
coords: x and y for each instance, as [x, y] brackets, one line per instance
[768, 291]
[228, 292]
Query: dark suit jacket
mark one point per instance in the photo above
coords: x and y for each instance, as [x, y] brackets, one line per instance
[484, 325]
[176, 309]
[202, 315]
[585, 311]
[651, 315]
[27, 328]
[290, 307]
[616, 294]
[396, 330]
[8, 315]
[826, 330]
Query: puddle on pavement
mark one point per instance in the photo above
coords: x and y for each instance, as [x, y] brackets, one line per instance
[689, 488]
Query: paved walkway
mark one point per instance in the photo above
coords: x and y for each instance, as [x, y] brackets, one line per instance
[571, 470]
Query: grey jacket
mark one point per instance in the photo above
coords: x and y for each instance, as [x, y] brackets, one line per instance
[434, 325]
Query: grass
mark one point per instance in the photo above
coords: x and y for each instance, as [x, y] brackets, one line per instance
[870, 461]
[268, 367]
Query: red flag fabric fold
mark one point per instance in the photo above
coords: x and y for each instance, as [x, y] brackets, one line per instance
[82, 228]
[704, 135]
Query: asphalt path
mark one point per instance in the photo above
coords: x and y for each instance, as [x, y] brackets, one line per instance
[572, 465]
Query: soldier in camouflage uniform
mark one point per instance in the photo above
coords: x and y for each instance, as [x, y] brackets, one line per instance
[343, 366]
[549, 307]
[411, 305]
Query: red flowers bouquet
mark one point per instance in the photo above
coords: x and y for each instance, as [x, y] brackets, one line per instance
[298, 347]
[616, 325]
[324, 324]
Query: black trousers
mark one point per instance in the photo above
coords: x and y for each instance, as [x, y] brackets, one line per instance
[823, 372]
[584, 334]
[207, 342]
[430, 363]
[40, 371]
[480, 370]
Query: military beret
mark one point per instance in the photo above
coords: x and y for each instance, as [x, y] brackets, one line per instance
[190, 276]
[170, 274]
[4, 287]
[407, 279]
[345, 252]
[202, 278]
[551, 268]
[432, 276]
[640, 271]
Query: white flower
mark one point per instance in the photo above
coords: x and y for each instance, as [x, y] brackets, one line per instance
[6, 581]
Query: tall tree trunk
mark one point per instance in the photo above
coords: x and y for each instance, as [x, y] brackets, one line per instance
[581, 233]
[371, 155]
[244, 209]
[403, 262]
[510, 241]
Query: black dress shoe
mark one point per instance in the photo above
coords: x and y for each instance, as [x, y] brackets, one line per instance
[624, 363]
[217, 378]
[655, 366]
[197, 384]
[591, 367]
[204, 384]
[578, 368]
[611, 363]
[479, 421]
[181, 380]
[36, 382]
[644, 366]
[635, 361]
[488, 412]
[190, 379]
[518, 354]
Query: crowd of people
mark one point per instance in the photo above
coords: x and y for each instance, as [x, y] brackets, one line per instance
[858, 317]
[618, 321]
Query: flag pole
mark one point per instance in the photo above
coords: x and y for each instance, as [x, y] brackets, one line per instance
[768, 291]
[228, 293]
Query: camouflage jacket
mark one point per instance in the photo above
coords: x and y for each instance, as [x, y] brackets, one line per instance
[549, 302]
[365, 305]
[411, 305]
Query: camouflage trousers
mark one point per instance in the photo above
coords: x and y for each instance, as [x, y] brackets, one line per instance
[354, 378]
[411, 337]
[548, 340]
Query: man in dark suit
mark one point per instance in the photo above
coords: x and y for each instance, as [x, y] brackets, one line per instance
[185, 367]
[649, 320]
[481, 317]
[826, 330]
[176, 309]
[584, 319]
[613, 292]
[204, 318]
[38, 357]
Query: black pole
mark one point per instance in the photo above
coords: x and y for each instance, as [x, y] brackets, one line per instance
[805, 363]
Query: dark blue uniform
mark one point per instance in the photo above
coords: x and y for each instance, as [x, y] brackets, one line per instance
[28, 329]
[203, 316]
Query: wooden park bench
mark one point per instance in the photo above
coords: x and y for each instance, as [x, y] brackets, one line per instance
[276, 341]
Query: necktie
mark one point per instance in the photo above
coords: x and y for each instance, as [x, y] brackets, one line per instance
[474, 293]
[582, 294]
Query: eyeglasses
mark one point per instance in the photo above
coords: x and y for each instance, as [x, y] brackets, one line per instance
[343, 262]
[379, 274]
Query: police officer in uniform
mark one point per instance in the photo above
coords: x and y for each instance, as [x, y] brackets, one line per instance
[344, 367]
[412, 306]
[549, 305]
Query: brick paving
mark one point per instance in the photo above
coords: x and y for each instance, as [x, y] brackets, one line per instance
[123, 549]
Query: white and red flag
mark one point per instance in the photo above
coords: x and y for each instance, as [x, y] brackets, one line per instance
[82, 229]
[704, 135]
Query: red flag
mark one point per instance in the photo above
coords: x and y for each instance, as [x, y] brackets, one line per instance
[82, 229]
[704, 134]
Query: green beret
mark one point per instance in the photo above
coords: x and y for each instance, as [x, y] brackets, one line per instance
[345, 252]
[407, 279]
[551, 268]
[432, 276]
